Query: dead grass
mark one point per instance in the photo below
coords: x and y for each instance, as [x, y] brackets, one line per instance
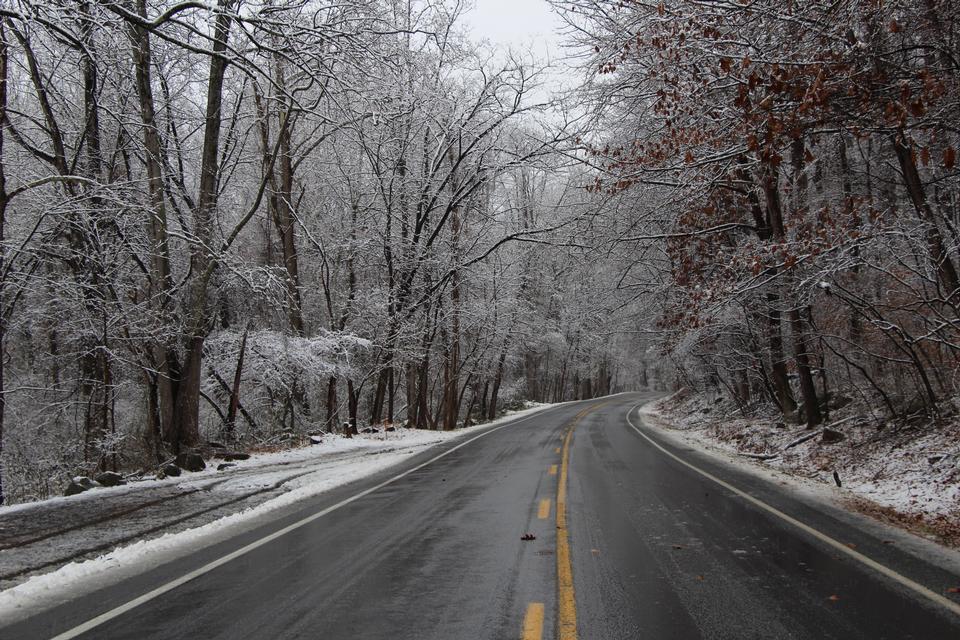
[940, 528]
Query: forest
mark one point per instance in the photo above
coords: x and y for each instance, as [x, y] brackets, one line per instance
[797, 163]
[248, 221]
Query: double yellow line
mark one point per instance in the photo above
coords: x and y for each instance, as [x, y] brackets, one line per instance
[566, 600]
[566, 597]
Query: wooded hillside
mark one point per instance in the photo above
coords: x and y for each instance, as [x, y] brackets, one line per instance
[792, 166]
[250, 221]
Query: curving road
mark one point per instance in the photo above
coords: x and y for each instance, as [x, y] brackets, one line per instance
[635, 537]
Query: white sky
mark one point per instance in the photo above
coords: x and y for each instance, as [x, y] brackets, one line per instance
[520, 24]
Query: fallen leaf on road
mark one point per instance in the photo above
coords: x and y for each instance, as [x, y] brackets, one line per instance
[833, 598]
[699, 577]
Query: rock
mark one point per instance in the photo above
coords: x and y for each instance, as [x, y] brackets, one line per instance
[73, 489]
[935, 459]
[390, 429]
[781, 425]
[231, 456]
[225, 465]
[170, 470]
[110, 479]
[216, 445]
[190, 461]
[316, 439]
[839, 401]
[829, 436]
[368, 430]
[78, 485]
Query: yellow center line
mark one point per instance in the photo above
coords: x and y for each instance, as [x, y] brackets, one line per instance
[544, 511]
[533, 622]
[553, 469]
[566, 599]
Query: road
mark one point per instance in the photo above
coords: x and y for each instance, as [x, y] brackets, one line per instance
[635, 537]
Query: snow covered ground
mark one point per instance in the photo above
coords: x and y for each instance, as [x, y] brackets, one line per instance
[905, 475]
[49, 549]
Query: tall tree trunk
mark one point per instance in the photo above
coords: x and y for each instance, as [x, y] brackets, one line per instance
[166, 362]
[283, 211]
[187, 413]
[939, 254]
[4, 201]
[801, 345]
[95, 365]
[778, 359]
[850, 211]
[453, 354]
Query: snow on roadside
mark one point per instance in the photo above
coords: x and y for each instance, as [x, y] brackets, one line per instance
[332, 445]
[382, 450]
[906, 475]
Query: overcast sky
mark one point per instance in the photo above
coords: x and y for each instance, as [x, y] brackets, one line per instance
[516, 23]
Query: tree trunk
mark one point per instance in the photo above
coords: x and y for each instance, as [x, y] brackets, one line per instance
[235, 390]
[483, 399]
[165, 362]
[497, 379]
[332, 411]
[778, 360]
[808, 389]
[453, 354]
[411, 380]
[939, 255]
[4, 201]
[281, 200]
[353, 401]
[187, 412]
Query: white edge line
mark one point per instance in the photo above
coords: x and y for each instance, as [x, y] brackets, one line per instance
[210, 566]
[904, 581]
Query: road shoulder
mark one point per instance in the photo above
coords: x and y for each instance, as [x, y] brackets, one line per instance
[172, 553]
[824, 508]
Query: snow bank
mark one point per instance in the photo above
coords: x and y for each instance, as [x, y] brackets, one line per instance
[908, 475]
[375, 452]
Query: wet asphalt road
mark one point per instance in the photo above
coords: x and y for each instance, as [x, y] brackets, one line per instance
[657, 550]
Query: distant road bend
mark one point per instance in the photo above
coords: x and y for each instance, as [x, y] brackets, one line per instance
[634, 537]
